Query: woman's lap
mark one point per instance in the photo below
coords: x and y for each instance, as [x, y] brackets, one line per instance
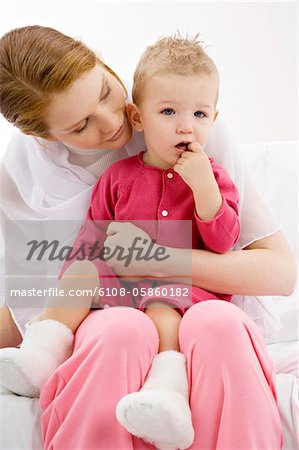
[113, 352]
[232, 395]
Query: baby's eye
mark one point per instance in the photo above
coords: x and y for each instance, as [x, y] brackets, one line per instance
[168, 111]
[199, 114]
[82, 128]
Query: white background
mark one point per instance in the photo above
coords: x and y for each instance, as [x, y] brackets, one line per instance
[253, 44]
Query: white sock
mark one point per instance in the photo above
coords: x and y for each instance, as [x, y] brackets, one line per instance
[168, 370]
[159, 413]
[46, 344]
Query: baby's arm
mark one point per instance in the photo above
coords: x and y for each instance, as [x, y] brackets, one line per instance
[221, 233]
[215, 197]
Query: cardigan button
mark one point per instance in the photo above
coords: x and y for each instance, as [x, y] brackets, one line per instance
[169, 175]
[164, 213]
[106, 306]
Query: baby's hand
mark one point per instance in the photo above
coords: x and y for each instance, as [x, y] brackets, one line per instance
[195, 168]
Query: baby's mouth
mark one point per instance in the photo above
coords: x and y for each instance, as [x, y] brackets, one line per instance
[183, 146]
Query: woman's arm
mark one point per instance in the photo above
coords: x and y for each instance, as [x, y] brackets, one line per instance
[265, 267]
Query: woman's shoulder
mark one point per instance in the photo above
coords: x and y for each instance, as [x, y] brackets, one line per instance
[18, 144]
[21, 146]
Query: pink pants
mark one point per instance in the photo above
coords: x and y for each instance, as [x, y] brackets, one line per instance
[232, 392]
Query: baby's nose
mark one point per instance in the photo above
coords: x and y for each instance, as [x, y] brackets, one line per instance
[185, 127]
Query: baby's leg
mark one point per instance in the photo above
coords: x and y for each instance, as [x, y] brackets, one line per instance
[167, 321]
[48, 339]
[70, 309]
[159, 413]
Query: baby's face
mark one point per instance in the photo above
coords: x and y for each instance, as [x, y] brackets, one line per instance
[174, 111]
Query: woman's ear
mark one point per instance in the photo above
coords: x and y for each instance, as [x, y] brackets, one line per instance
[134, 116]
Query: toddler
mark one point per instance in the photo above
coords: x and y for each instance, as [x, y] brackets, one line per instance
[175, 95]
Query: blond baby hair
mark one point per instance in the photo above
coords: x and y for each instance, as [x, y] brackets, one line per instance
[172, 55]
[35, 63]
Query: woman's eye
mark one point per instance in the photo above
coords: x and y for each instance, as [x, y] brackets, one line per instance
[107, 93]
[199, 114]
[82, 128]
[168, 111]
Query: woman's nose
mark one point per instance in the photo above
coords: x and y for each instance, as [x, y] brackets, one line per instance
[107, 120]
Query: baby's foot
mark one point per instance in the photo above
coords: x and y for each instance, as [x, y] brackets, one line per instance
[161, 417]
[24, 370]
[15, 372]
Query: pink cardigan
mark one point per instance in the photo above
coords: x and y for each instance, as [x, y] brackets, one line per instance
[162, 204]
[130, 190]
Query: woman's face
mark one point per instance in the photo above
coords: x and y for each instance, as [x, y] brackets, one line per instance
[91, 113]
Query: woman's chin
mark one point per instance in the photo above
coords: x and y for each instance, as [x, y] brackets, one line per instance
[118, 143]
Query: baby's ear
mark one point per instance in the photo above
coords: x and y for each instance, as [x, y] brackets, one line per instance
[134, 116]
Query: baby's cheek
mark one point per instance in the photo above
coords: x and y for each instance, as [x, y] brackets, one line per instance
[204, 139]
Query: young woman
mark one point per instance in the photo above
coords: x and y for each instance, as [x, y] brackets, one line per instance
[71, 109]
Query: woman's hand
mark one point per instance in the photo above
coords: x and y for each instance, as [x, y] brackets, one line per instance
[134, 256]
[128, 246]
